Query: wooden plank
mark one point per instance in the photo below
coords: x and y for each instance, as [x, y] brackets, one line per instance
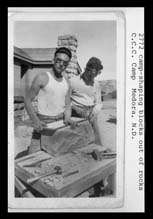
[60, 124]
[22, 189]
[37, 156]
[112, 183]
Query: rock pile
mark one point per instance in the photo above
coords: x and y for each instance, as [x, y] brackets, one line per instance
[70, 42]
[20, 113]
[18, 108]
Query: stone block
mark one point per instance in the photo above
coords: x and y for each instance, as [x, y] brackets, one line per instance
[66, 139]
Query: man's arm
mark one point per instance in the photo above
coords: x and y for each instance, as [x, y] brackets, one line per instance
[98, 103]
[67, 113]
[97, 93]
[38, 82]
[68, 109]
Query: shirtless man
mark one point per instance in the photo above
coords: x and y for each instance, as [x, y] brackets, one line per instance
[52, 90]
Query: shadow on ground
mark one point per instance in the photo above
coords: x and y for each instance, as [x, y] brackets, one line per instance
[21, 154]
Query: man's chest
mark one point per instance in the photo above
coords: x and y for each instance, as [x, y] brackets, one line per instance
[81, 87]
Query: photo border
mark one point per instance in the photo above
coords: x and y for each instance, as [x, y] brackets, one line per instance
[51, 204]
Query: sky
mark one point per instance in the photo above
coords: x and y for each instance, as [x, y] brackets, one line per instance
[95, 38]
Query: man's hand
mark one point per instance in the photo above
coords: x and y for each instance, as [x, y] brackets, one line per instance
[39, 125]
[70, 122]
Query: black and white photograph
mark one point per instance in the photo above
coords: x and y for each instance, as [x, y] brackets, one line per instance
[67, 113]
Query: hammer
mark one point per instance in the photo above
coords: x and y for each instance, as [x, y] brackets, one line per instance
[99, 155]
[96, 155]
[57, 170]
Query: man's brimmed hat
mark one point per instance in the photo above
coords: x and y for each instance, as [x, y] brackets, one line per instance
[94, 63]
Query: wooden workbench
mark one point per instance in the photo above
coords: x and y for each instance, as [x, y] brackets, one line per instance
[90, 171]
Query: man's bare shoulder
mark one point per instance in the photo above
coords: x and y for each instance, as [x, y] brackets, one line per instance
[42, 79]
[42, 76]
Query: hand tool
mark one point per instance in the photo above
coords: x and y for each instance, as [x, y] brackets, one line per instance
[70, 173]
[109, 154]
[100, 155]
[57, 170]
[37, 163]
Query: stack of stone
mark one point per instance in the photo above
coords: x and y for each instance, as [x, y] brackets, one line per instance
[18, 108]
[70, 42]
[20, 113]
